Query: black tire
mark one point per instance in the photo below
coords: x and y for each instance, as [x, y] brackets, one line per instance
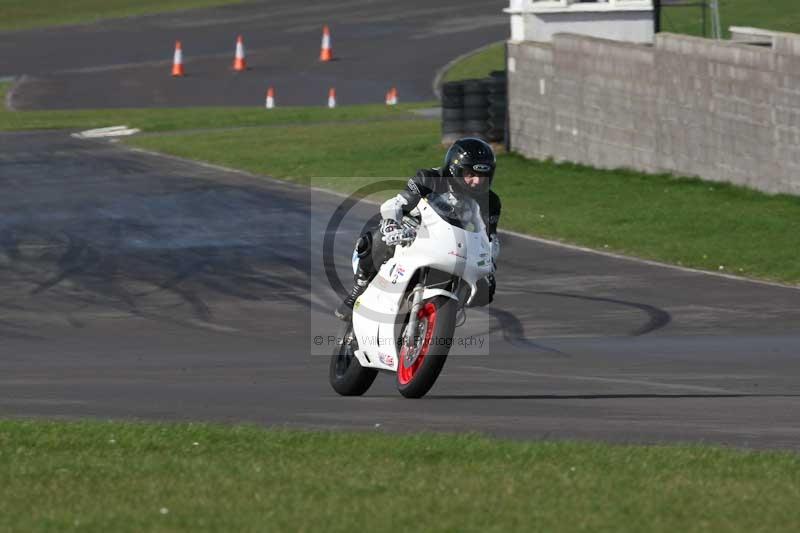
[497, 100]
[495, 135]
[474, 87]
[430, 365]
[476, 100]
[453, 101]
[450, 114]
[456, 126]
[497, 120]
[496, 123]
[476, 126]
[453, 88]
[495, 86]
[346, 375]
[476, 113]
[501, 127]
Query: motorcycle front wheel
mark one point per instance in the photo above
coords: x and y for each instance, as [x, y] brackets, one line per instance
[346, 375]
[417, 372]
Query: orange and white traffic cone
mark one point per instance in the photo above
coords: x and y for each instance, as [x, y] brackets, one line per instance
[270, 103]
[332, 98]
[239, 62]
[177, 61]
[326, 53]
[391, 96]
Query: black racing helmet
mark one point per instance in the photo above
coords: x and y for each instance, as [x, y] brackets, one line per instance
[470, 157]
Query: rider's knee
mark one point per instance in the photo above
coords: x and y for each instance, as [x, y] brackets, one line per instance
[364, 245]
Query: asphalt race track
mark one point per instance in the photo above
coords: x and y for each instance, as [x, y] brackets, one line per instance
[137, 286]
[377, 44]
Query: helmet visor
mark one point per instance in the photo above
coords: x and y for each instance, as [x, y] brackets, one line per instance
[476, 178]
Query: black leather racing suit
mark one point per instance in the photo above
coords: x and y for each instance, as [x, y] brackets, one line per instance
[373, 252]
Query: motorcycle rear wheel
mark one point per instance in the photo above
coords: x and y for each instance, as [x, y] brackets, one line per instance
[438, 315]
[346, 375]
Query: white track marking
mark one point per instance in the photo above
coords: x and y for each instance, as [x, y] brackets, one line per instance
[112, 131]
[597, 379]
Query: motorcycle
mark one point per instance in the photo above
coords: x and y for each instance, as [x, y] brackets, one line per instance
[405, 320]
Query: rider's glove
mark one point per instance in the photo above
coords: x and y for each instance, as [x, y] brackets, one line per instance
[392, 234]
[409, 234]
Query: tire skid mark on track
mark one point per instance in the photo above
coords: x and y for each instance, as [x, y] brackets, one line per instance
[657, 318]
[514, 332]
[162, 270]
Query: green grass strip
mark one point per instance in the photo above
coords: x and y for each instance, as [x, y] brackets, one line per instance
[778, 15]
[682, 221]
[96, 476]
[478, 64]
[25, 14]
[191, 118]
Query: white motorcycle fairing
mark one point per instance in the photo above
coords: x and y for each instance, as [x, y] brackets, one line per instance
[379, 313]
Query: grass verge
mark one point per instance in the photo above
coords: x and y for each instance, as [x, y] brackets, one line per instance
[778, 15]
[682, 221]
[25, 14]
[99, 476]
[478, 64]
[191, 118]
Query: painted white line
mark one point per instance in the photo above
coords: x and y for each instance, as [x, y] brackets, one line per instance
[111, 131]
[12, 91]
[597, 379]
[258, 177]
[105, 130]
[539, 240]
[40, 401]
[649, 262]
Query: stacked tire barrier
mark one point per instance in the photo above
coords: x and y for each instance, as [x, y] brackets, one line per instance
[452, 111]
[475, 108]
[498, 105]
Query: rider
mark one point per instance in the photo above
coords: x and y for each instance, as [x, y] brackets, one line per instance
[468, 169]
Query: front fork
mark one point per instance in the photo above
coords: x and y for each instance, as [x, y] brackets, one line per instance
[410, 339]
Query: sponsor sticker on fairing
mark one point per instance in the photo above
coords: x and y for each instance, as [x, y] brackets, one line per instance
[396, 273]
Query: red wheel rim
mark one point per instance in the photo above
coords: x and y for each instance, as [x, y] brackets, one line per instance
[406, 374]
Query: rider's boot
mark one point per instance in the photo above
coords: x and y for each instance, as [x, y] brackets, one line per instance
[360, 283]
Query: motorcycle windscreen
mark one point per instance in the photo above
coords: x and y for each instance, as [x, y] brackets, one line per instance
[460, 211]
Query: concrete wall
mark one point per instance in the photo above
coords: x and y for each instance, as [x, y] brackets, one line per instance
[690, 106]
